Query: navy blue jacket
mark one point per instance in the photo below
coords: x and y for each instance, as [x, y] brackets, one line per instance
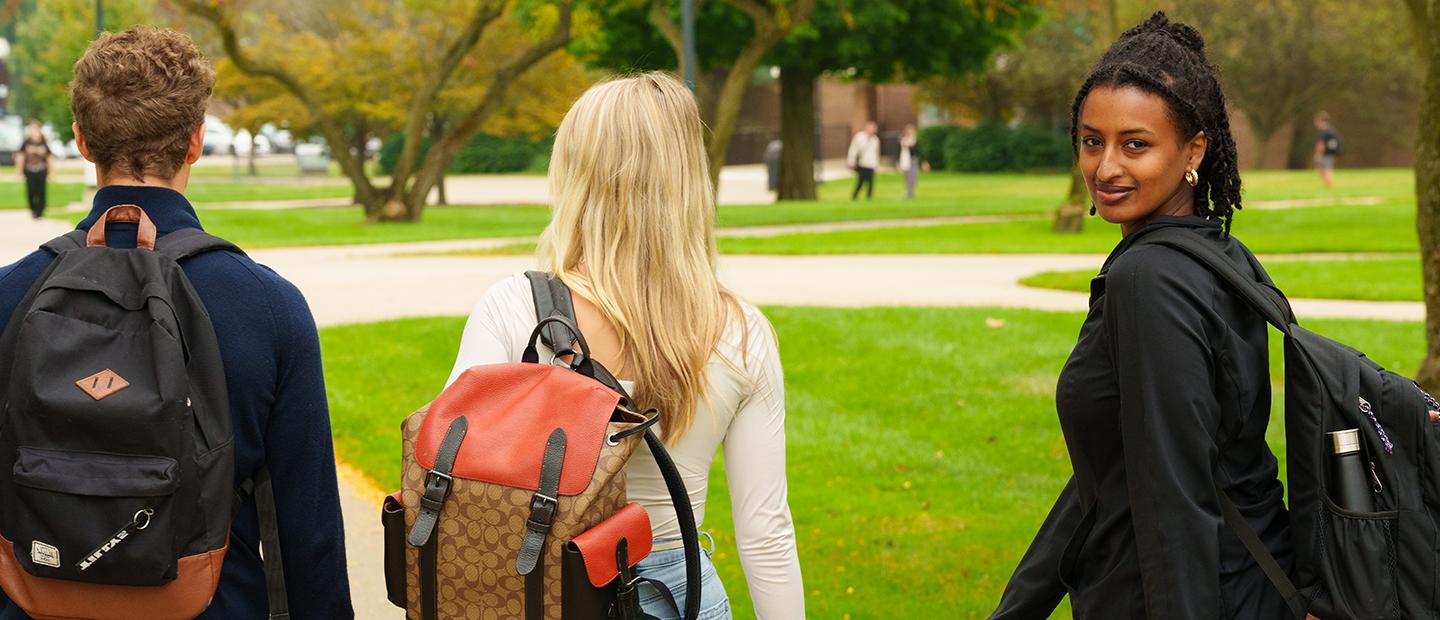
[277, 406]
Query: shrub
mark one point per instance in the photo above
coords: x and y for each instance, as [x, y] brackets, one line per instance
[993, 147]
[1039, 148]
[482, 154]
[983, 148]
[932, 144]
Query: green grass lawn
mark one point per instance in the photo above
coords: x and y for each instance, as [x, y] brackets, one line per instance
[1378, 279]
[12, 193]
[1302, 184]
[915, 486]
[1387, 227]
[345, 225]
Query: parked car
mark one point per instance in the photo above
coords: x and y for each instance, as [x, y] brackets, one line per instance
[219, 138]
[313, 158]
[281, 140]
[242, 144]
[12, 135]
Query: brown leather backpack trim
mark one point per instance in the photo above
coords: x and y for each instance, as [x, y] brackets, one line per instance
[54, 599]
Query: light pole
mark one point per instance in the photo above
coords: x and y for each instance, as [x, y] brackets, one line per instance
[92, 173]
[687, 28]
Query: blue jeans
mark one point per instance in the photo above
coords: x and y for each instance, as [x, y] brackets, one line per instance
[668, 567]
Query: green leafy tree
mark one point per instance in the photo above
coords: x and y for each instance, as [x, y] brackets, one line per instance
[880, 41]
[359, 64]
[1282, 60]
[50, 37]
[1035, 82]
[734, 37]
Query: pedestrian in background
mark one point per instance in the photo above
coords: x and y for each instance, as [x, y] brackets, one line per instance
[910, 161]
[33, 161]
[1327, 146]
[864, 158]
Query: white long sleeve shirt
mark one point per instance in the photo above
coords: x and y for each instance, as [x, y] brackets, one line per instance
[864, 151]
[744, 410]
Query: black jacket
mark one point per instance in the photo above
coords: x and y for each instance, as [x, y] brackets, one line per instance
[1166, 393]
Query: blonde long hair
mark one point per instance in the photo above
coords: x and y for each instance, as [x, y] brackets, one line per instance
[633, 230]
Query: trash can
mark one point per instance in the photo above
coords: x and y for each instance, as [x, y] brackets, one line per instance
[772, 164]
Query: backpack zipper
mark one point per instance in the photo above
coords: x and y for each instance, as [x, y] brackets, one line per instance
[1369, 411]
[140, 521]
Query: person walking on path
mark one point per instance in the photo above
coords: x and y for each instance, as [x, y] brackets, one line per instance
[34, 161]
[864, 158]
[1165, 399]
[632, 236]
[910, 160]
[1327, 146]
[139, 100]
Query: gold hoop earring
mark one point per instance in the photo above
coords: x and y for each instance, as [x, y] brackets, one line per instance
[1192, 177]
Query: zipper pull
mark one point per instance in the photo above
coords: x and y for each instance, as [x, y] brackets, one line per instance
[140, 521]
[1375, 484]
[1369, 412]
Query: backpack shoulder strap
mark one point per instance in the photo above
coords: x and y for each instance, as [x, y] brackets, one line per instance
[1265, 298]
[1262, 295]
[552, 298]
[72, 240]
[188, 242]
[259, 489]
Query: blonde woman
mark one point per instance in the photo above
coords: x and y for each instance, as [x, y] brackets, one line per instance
[632, 235]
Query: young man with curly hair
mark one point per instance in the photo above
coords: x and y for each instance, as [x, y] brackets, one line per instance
[139, 100]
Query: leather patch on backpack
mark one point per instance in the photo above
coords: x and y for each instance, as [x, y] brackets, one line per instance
[102, 384]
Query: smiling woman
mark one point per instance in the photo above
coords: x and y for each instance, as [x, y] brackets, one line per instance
[1164, 401]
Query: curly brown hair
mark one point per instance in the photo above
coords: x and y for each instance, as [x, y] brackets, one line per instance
[137, 97]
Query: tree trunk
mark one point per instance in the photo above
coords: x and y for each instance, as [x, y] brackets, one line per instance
[437, 131]
[1302, 142]
[358, 139]
[1262, 144]
[797, 134]
[1070, 215]
[732, 95]
[1427, 193]
[707, 93]
[254, 172]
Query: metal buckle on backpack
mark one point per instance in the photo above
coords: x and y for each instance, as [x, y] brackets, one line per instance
[437, 488]
[431, 480]
[543, 502]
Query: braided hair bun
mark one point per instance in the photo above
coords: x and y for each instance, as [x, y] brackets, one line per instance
[1168, 59]
[1184, 34]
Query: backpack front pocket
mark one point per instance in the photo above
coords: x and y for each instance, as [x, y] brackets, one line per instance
[1358, 565]
[95, 517]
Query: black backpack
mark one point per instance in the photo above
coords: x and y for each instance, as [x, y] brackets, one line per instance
[1348, 565]
[1332, 143]
[116, 452]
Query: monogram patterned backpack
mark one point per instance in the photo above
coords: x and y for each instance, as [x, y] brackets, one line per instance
[513, 501]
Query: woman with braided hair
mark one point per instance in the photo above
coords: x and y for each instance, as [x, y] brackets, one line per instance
[1165, 399]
